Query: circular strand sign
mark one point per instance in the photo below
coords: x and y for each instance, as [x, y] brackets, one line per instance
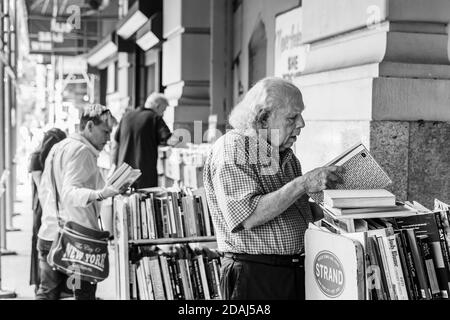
[329, 274]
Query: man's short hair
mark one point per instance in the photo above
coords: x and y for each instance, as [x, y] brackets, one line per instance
[261, 100]
[155, 99]
[98, 114]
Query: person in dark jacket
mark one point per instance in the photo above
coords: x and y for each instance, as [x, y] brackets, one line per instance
[36, 167]
[138, 136]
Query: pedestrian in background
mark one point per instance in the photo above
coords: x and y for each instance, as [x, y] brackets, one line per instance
[36, 167]
[138, 136]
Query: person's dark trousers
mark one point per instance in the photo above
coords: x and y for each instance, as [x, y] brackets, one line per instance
[260, 277]
[53, 282]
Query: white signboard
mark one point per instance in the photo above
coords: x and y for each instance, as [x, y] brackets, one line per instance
[289, 52]
[334, 267]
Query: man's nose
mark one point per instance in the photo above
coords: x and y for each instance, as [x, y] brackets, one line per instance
[300, 122]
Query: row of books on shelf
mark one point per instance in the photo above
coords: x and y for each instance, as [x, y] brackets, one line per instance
[180, 273]
[407, 257]
[168, 213]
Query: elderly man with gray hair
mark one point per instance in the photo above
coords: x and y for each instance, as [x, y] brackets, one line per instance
[258, 196]
[138, 136]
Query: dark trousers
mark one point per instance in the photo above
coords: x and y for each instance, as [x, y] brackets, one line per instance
[54, 282]
[244, 278]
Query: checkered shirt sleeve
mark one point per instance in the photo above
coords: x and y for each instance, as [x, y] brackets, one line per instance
[240, 192]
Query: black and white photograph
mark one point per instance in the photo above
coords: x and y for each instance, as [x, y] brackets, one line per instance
[225, 154]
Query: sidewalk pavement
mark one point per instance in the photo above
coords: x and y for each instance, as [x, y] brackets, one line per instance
[16, 268]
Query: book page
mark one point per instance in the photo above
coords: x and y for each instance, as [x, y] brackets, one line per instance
[361, 171]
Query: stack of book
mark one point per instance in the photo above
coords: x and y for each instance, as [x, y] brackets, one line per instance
[168, 213]
[359, 204]
[407, 257]
[406, 246]
[180, 273]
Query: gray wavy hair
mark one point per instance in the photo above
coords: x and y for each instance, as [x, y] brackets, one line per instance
[266, 96]
[155, 99]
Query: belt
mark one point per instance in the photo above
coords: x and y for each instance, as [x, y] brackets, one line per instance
[297, 260]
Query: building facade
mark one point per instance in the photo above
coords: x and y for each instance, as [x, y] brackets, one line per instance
[370, 71]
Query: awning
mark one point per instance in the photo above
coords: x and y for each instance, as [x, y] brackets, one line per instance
[107, 49]
[150, 34]
[137, 16]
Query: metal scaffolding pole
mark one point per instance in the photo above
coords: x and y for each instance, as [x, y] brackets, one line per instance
[9, 29]
[5, 177]
[4, 294]
[5, 203]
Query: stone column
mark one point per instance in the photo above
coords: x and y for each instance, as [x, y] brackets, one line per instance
[378, 71]
[186, 62]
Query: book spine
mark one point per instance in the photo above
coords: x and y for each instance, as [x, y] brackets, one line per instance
[418, 263]
[199, 216]
[445, 255]
[186, 279]
[157, 281]
[216, 274]
[176, 278]
[194, 227]
[133, 282]
[143, 213]
[425, 251]
[147, 277]
[142, 285]
[404, 266]
[158, 218]
[411, 266]
[166, 278]
[137, 217]
[150, 219]
[213, 286]
[165, 219]
[176, 215]
[173, 231]
[203, 276]
[397, 268]
[129, 215]
[380, 278]
[181, 218]
[390, 282]
[197, 279]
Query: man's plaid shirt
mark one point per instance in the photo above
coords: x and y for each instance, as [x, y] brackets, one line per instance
[239, 170]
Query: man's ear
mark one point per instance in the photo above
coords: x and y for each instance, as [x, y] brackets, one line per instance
[261, 118]
[89, 126]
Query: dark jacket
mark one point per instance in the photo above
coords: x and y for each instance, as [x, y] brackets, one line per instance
[140, 133]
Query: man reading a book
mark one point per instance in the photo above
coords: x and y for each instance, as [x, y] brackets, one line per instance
[258, 196]
[71, 172]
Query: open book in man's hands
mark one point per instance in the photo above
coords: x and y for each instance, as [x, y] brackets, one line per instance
[361, 171]
[123, 175]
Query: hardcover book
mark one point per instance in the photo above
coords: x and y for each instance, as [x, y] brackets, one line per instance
[123, 175]
[358, 198]
[361, 171]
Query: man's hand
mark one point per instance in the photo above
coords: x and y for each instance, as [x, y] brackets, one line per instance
[109, 191]
[124, 188]
[322, 178]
